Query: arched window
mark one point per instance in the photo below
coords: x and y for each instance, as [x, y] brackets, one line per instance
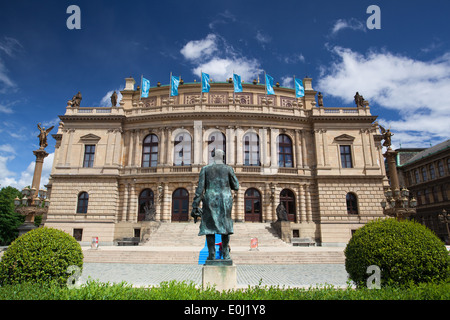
[180, 205]
[284, 151]
[216, 140]
[251, 149]
[352, 203]
[146, 201]
[83, 200]
[424, 174]
[182, 150]
[432, 172]
[150, 151]
[288, 200]
[252, 200]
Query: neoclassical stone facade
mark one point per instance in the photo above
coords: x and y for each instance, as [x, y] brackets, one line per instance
[112, 164]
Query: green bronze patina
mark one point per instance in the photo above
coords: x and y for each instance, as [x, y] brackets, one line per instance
[214, 191]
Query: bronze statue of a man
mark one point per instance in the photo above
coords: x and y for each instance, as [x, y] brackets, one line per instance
[214, 190]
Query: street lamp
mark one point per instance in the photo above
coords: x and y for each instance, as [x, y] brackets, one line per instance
[34, 202]
[400, 205]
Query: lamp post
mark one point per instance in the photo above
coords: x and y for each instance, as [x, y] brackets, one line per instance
[34, 201]
[397, 203]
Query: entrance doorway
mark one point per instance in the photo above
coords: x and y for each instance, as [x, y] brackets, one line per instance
[180, 205]
[288, 200]
[252, 199]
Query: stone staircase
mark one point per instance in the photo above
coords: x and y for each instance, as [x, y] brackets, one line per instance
[186, 234]
[179, 243]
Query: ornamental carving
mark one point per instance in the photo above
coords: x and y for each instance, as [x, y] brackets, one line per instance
[149, 102]
[191, 98]
[287, 102]
[243, 98]
[218, 98]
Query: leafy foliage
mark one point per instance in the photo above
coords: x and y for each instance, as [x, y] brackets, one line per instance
[406, 252]
[173, 290]
[9, 219]
[41, 255]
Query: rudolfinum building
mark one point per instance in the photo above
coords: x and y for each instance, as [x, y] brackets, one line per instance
[114, 167]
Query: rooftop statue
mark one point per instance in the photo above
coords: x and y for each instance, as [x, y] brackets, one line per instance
[114, 99]
[76, 100]
[387, 134]
[214, 191]
[43, 136]
[359, 100]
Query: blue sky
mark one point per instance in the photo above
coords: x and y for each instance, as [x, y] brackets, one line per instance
[403, 69]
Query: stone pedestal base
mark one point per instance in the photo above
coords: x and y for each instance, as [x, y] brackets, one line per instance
[223, 277]
[24, 228]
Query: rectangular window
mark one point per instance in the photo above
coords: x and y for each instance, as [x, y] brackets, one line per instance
[78, 234]
[346, 157]
[89, 152]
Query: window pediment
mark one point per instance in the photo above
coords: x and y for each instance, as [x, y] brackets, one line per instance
[344, 138]
[90, 138]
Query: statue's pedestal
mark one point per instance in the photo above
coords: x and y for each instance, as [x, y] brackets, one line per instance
[25, 227]
[219, 273]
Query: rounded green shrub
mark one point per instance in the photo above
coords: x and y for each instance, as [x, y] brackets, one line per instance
[41, 255]
[406, 252]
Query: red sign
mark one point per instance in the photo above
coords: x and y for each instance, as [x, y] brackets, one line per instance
[94, 243]
[254, 243]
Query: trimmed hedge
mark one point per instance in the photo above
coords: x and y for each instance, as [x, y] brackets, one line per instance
[41, 255]
[406, 252]
[173, 290]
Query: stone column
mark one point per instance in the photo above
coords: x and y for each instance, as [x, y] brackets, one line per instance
[231, 144]
[325, 148]
[298, 149]
[169, 147]
[302, 203]
[308, 203]
[40, 154]
[198, 138]
[274, 147]
[69, 148]
[319, 154]
[239, 149]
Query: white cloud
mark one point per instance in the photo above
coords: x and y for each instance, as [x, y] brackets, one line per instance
[225, 61]
[9, 178]
[200, 48]
[287, 81]
[5, 109]
[352, 24]
[8, 46]
[222, 69]
[262, 38]
[417, 90]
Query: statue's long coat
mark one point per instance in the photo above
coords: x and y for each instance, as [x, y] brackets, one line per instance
[214, 190]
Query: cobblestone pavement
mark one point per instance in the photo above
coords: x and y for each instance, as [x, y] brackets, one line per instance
[303, 275]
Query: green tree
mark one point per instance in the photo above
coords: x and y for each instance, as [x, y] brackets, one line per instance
[9, 219]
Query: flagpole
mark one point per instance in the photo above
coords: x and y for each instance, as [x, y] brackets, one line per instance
[140, 91]
[295, 90]
[170, 85]
[234, 101]
[265, 83]
[201, 87]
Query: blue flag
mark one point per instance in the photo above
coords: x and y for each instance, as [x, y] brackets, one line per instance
[174, 82]
[145, 88]
[299, 89]
[237, 83]
[269, 85]
[205, 82]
